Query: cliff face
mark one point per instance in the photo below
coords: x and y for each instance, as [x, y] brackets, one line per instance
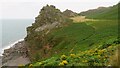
[38, 39]
[47, 16]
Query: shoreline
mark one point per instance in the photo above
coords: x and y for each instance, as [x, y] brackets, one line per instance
[10, 46]
[15, 52]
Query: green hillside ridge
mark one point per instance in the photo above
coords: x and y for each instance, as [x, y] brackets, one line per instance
[102, 12]
[90, 43]
[99, 38]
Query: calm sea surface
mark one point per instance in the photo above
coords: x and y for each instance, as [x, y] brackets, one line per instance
[12, 30]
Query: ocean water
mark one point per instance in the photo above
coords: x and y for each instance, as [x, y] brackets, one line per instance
[12, 31]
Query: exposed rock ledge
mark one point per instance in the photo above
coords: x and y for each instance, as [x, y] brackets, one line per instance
[47, 26]
[16, 55]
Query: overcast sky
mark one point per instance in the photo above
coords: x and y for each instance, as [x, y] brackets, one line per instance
[29, 9]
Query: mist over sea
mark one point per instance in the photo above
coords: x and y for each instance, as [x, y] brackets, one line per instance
[12, 30]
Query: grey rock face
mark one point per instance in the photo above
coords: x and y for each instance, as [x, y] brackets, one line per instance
[12, 55]
[47, 26]
[69, 13]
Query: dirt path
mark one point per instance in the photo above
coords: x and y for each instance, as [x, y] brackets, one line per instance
[81, 19]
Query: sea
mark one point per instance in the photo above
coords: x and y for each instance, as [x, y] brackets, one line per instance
[12, 31]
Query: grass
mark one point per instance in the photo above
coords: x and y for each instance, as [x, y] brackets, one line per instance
[91, 57]
[79, 39]
[84, 42]
[105, 13]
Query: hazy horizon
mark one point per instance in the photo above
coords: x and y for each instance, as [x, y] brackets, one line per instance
[29, 9]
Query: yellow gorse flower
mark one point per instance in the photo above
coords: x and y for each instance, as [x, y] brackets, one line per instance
[20, 66]
[64, 62]
[72, 55]
[30, 65]
[63, 57]
[98, 56]
[40, 63]
[110, 47]
[100, 52]
[106, 56]
[61, 64]
[85, 61]
[91, 51]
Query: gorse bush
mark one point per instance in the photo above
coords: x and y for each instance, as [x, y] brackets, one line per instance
[89, 43]
[92, 57]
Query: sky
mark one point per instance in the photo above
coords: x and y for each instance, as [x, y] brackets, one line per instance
[29, 9]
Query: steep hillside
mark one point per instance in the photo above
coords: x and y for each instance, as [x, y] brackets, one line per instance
[37, 41]
[102, 13]
[82, 44]
[55, 40]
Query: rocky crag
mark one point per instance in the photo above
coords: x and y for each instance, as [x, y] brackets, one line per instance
[38, 40]
[16, 55]
[69, 13]
[37, 43]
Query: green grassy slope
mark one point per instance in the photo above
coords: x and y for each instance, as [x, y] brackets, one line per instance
[79, 36]
[103, 13]
[79, 39]
[91, 43]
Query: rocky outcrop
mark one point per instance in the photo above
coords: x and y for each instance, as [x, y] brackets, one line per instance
[49, 14]
[12, 55]
[49, 18]
[47, 26]
[69, 13]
